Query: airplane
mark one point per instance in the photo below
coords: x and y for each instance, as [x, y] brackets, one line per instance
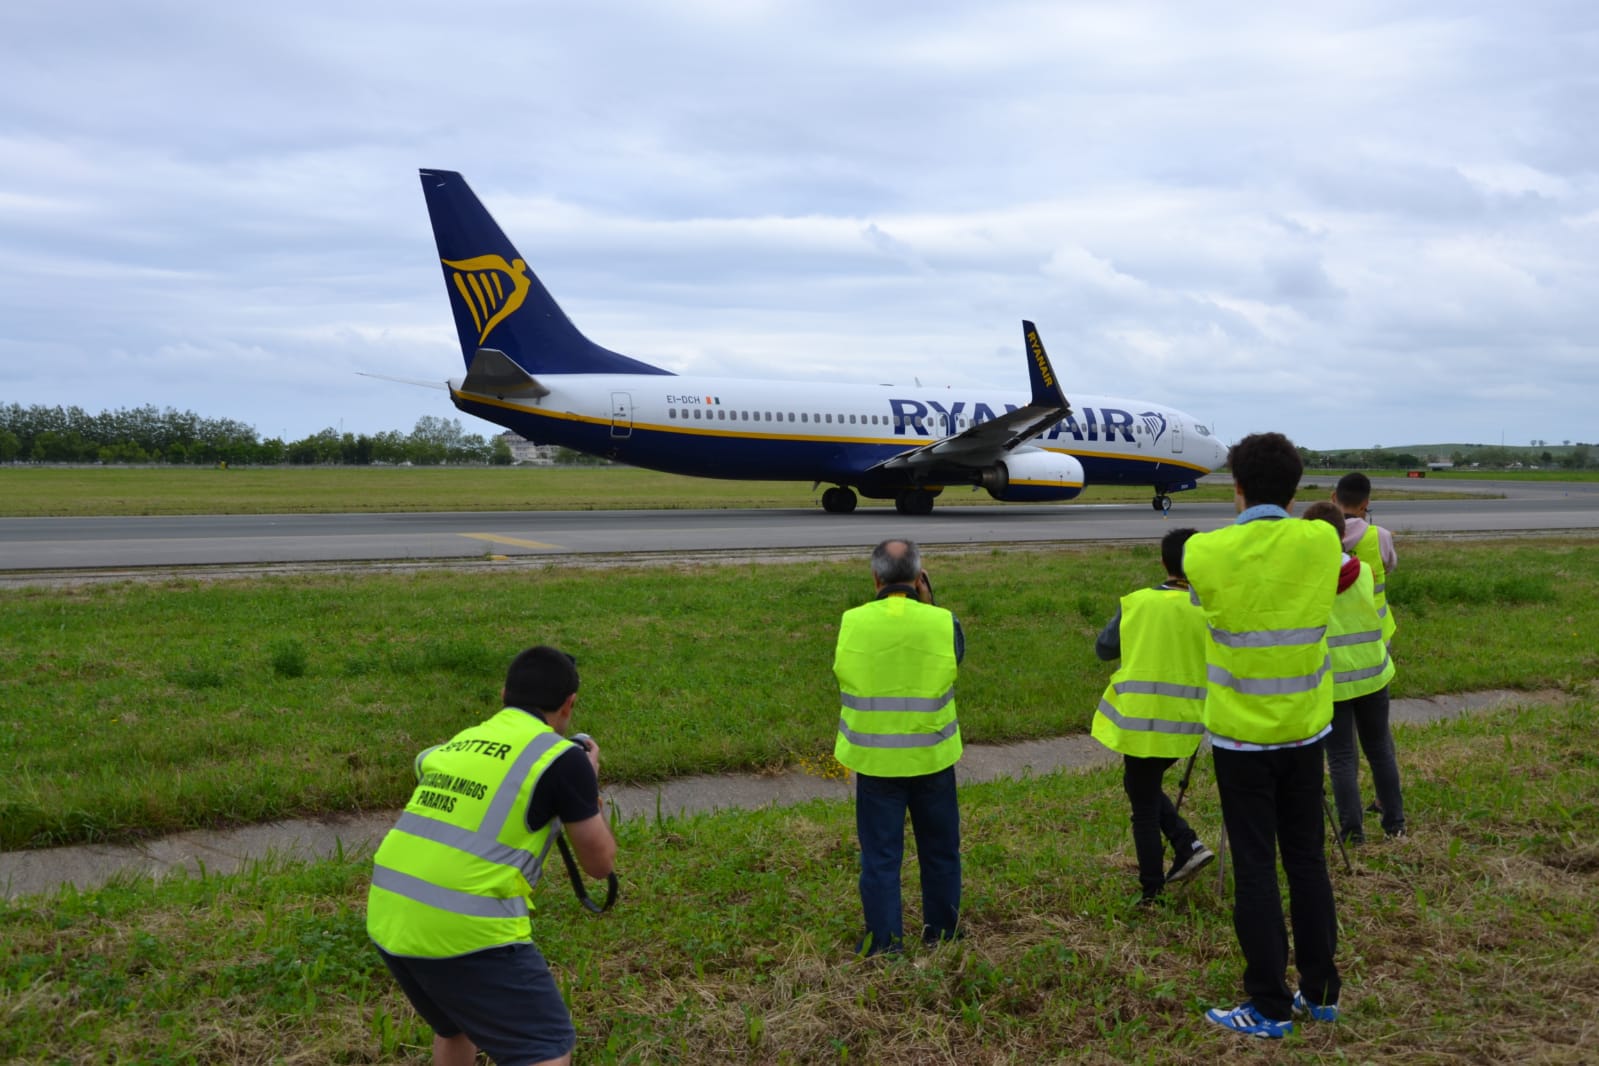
[529, 369]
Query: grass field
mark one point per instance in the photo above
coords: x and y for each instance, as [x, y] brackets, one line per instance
[134, 708]
[1476, 940]
[110, 490]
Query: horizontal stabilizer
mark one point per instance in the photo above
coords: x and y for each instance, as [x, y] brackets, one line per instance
[493, 373]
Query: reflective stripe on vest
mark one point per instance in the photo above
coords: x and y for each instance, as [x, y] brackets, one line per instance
[1155, 701]
[452, 876]
[895, 664]
[1266, 588]
[896, 740]
[1151, 725]
[906, 704]
[448, 899]
[1355, 638]
[1368, 549]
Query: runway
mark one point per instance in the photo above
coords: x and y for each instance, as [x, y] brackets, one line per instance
[39, 545]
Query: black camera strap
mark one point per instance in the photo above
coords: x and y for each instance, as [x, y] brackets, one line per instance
[583, 897]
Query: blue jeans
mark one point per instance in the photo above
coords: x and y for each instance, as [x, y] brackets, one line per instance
[880, 807]
[1368, 716]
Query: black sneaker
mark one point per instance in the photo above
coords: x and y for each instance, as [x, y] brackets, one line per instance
[1187, 866]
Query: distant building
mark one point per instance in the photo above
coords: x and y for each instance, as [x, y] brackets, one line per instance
[525, 453]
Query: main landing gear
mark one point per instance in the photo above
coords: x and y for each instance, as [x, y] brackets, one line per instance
[1161, 503]
[914, 502]
[838, 500]
[841, 499]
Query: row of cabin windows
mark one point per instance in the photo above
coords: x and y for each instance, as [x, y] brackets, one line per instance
[722, 414]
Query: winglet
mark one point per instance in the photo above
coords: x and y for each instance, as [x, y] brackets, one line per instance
[1046, 386]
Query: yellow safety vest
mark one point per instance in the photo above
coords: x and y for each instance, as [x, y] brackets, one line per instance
[1368, 549]
[1155, 702]
[1267, 589]
[1360, 659]
[895, 664]
[453, 875]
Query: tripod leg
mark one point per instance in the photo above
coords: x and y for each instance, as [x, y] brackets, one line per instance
[1221, 864]
[1182, 786]
[1332, 822]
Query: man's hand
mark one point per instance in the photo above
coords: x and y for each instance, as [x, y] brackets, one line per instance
[588, 744]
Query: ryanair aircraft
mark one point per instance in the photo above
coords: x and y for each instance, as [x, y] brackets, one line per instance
[530, 370]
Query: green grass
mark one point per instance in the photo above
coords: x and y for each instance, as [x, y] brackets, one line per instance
[68, 491]
[1468, 474]
[78, 491]
[1475, 940]
[137, 708]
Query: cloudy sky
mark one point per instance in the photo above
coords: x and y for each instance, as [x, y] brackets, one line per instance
[1358, 223]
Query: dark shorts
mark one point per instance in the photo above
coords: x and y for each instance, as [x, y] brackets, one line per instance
[504, 999]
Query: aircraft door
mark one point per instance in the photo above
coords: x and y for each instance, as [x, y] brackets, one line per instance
[621, 415]
[1177, 436]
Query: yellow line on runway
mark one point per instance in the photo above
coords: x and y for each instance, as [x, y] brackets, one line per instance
[495, 538]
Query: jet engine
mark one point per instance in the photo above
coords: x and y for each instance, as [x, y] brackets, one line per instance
[1034, 476]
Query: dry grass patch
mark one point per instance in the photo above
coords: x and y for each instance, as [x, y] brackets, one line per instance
[1475, 940]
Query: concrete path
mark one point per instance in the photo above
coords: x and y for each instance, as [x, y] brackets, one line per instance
[27, 873]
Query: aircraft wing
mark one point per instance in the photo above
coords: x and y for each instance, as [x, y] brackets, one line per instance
[987, 441]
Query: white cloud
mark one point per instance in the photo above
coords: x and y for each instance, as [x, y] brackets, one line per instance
[1349, 217]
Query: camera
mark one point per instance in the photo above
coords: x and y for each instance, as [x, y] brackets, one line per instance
[582, 740]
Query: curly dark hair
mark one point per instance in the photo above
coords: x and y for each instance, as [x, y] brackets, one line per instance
[1266, 467]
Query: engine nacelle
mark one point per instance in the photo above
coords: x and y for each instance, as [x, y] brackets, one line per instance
[1034, 476]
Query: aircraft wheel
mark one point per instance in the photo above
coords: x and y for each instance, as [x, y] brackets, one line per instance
[838, 500]
[1162, 502]
[914, 502]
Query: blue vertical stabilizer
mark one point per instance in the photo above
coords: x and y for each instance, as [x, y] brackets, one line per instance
[497, 300]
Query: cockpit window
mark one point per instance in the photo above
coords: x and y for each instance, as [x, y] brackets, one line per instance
[1203, 431]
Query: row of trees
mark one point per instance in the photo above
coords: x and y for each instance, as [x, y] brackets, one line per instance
[148, 435]
[1541, 454]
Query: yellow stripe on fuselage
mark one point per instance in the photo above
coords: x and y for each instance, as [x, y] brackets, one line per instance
[750, 434]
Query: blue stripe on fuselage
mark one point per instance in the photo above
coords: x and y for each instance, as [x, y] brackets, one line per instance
[755, 455]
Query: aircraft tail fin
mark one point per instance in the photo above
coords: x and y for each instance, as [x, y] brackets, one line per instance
[498, 302]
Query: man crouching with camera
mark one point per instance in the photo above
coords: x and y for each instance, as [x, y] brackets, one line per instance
[448, 908]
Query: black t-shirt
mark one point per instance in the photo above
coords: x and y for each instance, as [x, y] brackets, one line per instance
[567, 789]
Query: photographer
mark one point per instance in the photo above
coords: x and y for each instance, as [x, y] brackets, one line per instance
[1266, 585]
[448, 908]
[1150, 713]
[1367, 541]
[1362, 670]
[896, 662]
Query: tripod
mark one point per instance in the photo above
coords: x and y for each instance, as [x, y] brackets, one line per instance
[1221, 845]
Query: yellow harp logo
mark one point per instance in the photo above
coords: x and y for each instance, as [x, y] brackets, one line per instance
[490, 287]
